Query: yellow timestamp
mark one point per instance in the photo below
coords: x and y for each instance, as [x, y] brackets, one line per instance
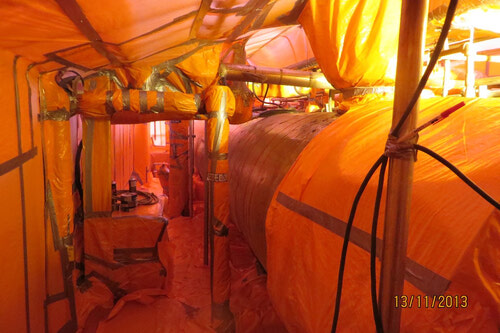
[431, 302]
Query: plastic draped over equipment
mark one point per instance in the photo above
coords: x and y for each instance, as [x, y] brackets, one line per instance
[355, 42]
[453, 235]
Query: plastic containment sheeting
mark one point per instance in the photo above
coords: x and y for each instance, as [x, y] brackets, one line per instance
[349, 37]
[264, 150]
[123, 252]
[179, 171]
[22, 239]
[453, 234]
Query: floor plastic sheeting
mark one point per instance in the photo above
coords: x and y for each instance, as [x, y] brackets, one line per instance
[184, 304]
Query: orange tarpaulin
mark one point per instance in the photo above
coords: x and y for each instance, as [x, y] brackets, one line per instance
[355, 42]
[453, 235]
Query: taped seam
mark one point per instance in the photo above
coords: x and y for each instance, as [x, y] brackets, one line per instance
[420, 276]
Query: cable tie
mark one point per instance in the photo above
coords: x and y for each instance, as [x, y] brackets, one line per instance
[400, 150]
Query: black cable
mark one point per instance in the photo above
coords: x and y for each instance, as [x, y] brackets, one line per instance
[346, 240]
[265, 95]
[432, 62]
[460, 175]
[373, 249]
[263, 101]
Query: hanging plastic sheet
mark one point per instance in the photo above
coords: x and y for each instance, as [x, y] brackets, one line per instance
[96, 166]
[123, 252]
[355, 42]
[453, 235]
[179, 171]
[59, 173]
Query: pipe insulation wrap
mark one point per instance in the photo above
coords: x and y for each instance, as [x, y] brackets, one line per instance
[260, 154]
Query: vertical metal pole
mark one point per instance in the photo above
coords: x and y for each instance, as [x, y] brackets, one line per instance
[400, 178]
[207, 204]
[190, 166]
[470, 79]
[447, 72]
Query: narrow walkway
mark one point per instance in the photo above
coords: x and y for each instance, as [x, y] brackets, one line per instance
[184, 303]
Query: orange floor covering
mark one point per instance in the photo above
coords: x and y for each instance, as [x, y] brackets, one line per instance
[184, 304]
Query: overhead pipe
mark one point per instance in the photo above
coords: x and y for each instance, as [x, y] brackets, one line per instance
[284, 76]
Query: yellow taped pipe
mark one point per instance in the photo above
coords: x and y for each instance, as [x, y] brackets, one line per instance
[284, 76]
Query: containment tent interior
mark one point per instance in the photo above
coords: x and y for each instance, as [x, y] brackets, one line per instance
[250, 166]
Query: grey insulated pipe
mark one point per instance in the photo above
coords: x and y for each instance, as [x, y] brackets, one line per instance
[260, 154]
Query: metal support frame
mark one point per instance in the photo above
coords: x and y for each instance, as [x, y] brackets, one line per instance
[470, 89]
[400, 178]
[190, 166]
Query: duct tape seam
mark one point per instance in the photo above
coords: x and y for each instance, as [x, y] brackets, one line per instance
[113, 286]
[109, 102]
[217, 156]
[17, 161]
[49, 299]
[160, 103]
[61, 114]
[217, 177]
[22, 191]
[30, 107]
[126, 99]
[88, 147]
[63, 253]
[420, 276]
[143, 101]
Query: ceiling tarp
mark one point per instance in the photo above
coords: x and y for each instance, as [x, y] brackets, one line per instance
[93, 34]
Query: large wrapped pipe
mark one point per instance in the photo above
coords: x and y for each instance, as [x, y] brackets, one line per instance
[260, 153]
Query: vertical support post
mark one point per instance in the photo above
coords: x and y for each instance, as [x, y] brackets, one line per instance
[470, 79]
[217, 134]
[400, 178]
[447, 72]
[190, 166]
[207, 204]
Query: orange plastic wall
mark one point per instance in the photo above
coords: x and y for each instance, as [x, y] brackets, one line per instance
[96, 166]
[130, 152]
[17, 242]
[453, 231]
[179, 171]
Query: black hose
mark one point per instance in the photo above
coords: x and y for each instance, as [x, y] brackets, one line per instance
[346, 239]
[460, 175]
[432, 62]
[373, 249]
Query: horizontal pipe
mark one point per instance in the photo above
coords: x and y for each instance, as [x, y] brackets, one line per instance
[283, 76]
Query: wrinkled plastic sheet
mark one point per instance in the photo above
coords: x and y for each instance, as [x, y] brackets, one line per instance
[453, 232]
